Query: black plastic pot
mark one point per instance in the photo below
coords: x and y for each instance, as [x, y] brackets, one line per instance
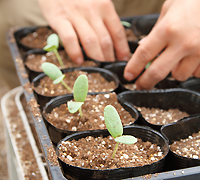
[181, 130]
[146, 134]
[32, 73]
[56, 134]
[108, 75]
[118, 69]
[192, 84]
[142, 25]
[23, 32]
[182, 99]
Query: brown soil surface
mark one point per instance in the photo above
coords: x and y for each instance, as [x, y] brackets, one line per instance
[38, 38]
[3, 153]
[26, 155]
[188, 147]
[130, 35]
[34, 61]
[93, 114]
[161, 117]
[96, 83]
[96, 153]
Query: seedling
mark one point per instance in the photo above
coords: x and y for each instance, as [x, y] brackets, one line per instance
[80, 90]
[126, 24]
[55, 74]
[52, 46]
[115, 128]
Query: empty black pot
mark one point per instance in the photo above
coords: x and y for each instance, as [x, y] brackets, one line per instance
[181, 130]
[177, 98]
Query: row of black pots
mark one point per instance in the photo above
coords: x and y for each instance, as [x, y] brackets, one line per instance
[25, 31]
[169, 133]
[108, 75]
[56, 134]
[182, 99]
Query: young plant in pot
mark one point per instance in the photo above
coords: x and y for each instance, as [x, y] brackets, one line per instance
[52, 46]
[128, 152]
[54, 54]
[99, 79]
[68, 114]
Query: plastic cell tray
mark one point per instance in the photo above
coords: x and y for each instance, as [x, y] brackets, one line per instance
[54, 171]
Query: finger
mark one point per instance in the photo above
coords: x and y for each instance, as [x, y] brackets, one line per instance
[197, 72]
[88, 38]
[153, 44]
[159, 69]
[117, 32]
[69, 40]
[185, 68]
[104, 37]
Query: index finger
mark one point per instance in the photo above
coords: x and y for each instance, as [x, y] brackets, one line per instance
[152, 45]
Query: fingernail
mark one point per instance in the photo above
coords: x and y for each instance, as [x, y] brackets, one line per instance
[129, 76]
[142, 40]
[79, 60]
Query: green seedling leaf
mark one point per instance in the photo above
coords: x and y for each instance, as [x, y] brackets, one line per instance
[55, 74]
[59, 79]
[51, 70]
[74, 106]
[52, 42]
[113, 121]
[148, 64]
[52, 45]
[126, 24]
[49, 48]
[115, 128]
[80, 88]
[126, 139]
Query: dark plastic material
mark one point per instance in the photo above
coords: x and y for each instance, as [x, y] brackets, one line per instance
[182, 99]
[57, 134]
[181, 130]
[32, 74]
[118, 69]
[55, 171]
[142, 25]
[112, 174]
[108, 75]
[192, 84]
[23, 32]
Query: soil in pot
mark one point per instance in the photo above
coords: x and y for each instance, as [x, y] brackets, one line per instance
[161, 117]
[97, 83]
[96, 153]
[93, 114]
[130, 35]
[34, 61]
[38, 38]
[188, 147]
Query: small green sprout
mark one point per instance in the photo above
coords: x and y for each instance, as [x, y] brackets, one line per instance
[115, 128]
[55, 74]
[126, 24]
[52, 46]
[80, 90]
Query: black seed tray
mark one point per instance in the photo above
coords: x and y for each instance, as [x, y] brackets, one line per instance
[55, 171]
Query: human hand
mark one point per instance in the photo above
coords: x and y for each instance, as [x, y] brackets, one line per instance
[95, 23]
[176, 36]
